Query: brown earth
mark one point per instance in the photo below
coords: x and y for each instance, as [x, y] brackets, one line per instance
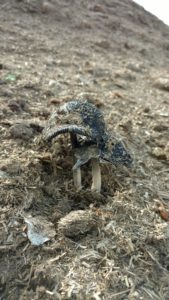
[109, 246]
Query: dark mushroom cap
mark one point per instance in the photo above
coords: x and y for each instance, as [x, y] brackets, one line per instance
[116, 153]
[83, 119]
[77, 117]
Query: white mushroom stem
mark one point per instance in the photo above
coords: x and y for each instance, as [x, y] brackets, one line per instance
[77, 178]
[96, 175]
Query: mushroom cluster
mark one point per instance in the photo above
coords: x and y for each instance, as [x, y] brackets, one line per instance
[89, 138]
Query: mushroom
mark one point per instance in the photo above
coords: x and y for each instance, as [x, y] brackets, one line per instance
[83, 155]
[89, 137]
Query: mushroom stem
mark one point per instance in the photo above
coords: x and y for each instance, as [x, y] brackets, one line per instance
[73, 139]
[77, 178]
[96, 175]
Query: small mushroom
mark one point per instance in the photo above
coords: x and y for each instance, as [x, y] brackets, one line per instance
[96, 175]
[83, 155]
[89, 137]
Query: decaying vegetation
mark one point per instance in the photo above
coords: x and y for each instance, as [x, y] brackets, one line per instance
[112, 245]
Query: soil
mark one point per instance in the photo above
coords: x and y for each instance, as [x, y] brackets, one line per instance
[109, 246]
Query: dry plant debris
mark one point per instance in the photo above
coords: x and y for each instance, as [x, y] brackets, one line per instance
[89, 138]
[39, 230]
[113, 245]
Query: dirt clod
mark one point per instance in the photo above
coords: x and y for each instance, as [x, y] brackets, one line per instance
[77, 223]
[21, 131]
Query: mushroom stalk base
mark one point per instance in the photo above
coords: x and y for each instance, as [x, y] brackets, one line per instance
[96, 175]
[77, 178]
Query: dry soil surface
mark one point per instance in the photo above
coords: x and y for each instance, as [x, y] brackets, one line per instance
[109, 246]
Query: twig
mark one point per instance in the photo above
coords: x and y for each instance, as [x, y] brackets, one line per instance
[30, 276]
[157, 262]
[57, 258]
[151, 294]
[121, 293]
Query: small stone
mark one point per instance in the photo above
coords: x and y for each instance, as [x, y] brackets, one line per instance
[146, 109]
[46, 7]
